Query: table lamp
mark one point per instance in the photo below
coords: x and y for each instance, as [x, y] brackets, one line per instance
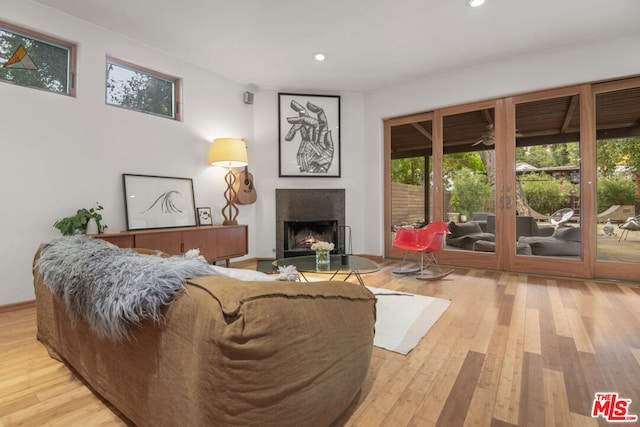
[229, 153]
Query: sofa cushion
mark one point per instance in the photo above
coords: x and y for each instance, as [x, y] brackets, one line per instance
[571, 234]
[523, 249]
[146, 252]
[480, 216]
[466, 241]
[551, 246]
[484, 246]
[462, 229]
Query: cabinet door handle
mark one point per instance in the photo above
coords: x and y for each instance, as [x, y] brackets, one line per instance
[509, 201]
[501, 202]
[182, 248]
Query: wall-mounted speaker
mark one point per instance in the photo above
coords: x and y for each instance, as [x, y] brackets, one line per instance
[248, 97]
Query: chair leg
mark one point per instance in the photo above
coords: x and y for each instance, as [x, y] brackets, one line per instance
[426, 260]
[622, 234]
[408, 269]
[436, 274]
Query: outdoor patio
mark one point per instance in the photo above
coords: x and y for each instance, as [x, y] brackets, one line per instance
[610, 249]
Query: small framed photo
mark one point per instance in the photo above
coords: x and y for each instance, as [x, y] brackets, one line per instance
[204, 216]
[158, 202]
[309, 131]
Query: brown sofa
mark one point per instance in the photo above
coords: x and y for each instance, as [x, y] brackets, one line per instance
[230, 353]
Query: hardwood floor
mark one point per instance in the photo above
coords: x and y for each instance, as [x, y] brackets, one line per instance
[512, 349]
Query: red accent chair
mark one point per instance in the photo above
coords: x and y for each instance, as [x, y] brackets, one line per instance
[426, 241]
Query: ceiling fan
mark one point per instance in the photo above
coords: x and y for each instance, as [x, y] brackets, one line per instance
[488, 137]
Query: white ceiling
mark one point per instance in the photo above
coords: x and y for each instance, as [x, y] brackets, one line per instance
[370, 44]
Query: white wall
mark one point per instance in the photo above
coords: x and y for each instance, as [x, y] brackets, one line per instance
[61, 153]
[591, 62]
[265, 168]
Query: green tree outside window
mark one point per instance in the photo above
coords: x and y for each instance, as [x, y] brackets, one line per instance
[141, 90]
[50, 64]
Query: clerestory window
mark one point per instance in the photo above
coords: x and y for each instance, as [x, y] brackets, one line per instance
[36, 60]
[140, 89]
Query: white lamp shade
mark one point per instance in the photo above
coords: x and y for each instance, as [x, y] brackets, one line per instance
[228, 153]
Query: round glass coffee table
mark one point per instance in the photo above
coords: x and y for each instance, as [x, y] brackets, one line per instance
[338, 264]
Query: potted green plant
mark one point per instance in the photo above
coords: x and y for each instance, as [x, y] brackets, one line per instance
[78, 222]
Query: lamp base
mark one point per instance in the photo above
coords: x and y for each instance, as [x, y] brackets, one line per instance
[230, 210]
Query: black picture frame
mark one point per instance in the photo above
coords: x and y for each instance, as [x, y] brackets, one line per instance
[153, 202]
[204, 216]
[309, 135]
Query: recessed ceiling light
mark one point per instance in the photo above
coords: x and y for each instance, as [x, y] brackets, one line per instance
[475, 3]
[319, 56]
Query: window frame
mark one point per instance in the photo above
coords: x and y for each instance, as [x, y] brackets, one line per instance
[55, 41]
[176, 81]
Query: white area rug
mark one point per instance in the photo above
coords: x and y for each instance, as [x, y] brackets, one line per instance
[402, 319]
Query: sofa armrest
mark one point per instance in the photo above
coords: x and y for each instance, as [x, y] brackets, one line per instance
[544, 230]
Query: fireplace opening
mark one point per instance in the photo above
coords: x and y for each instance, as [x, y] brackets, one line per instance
[321, 211]
[300, 235]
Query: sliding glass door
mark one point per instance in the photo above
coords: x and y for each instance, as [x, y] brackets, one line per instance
[409, 179]
[548, 232]
[470, 140]
[547, 182]
[617, 225]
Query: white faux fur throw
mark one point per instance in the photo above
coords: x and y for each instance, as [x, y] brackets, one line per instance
[112, 288]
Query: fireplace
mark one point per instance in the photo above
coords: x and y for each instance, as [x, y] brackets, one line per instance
[300, 235]
[306, 216]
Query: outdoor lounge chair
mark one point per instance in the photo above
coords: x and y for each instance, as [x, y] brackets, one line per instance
[631, 224]
[558, 218]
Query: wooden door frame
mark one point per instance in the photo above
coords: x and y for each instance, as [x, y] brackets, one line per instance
[562, 266]
[608, 269]
[477, 259]
[389, 250]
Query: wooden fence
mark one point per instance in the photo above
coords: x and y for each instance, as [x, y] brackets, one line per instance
[407, 203]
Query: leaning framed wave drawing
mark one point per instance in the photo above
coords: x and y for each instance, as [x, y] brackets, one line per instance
[158, 202]
[309, 135]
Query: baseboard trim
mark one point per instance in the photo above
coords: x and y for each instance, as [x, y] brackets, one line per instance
[17, 306]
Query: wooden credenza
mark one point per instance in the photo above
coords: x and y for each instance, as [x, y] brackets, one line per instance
[215, 242]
